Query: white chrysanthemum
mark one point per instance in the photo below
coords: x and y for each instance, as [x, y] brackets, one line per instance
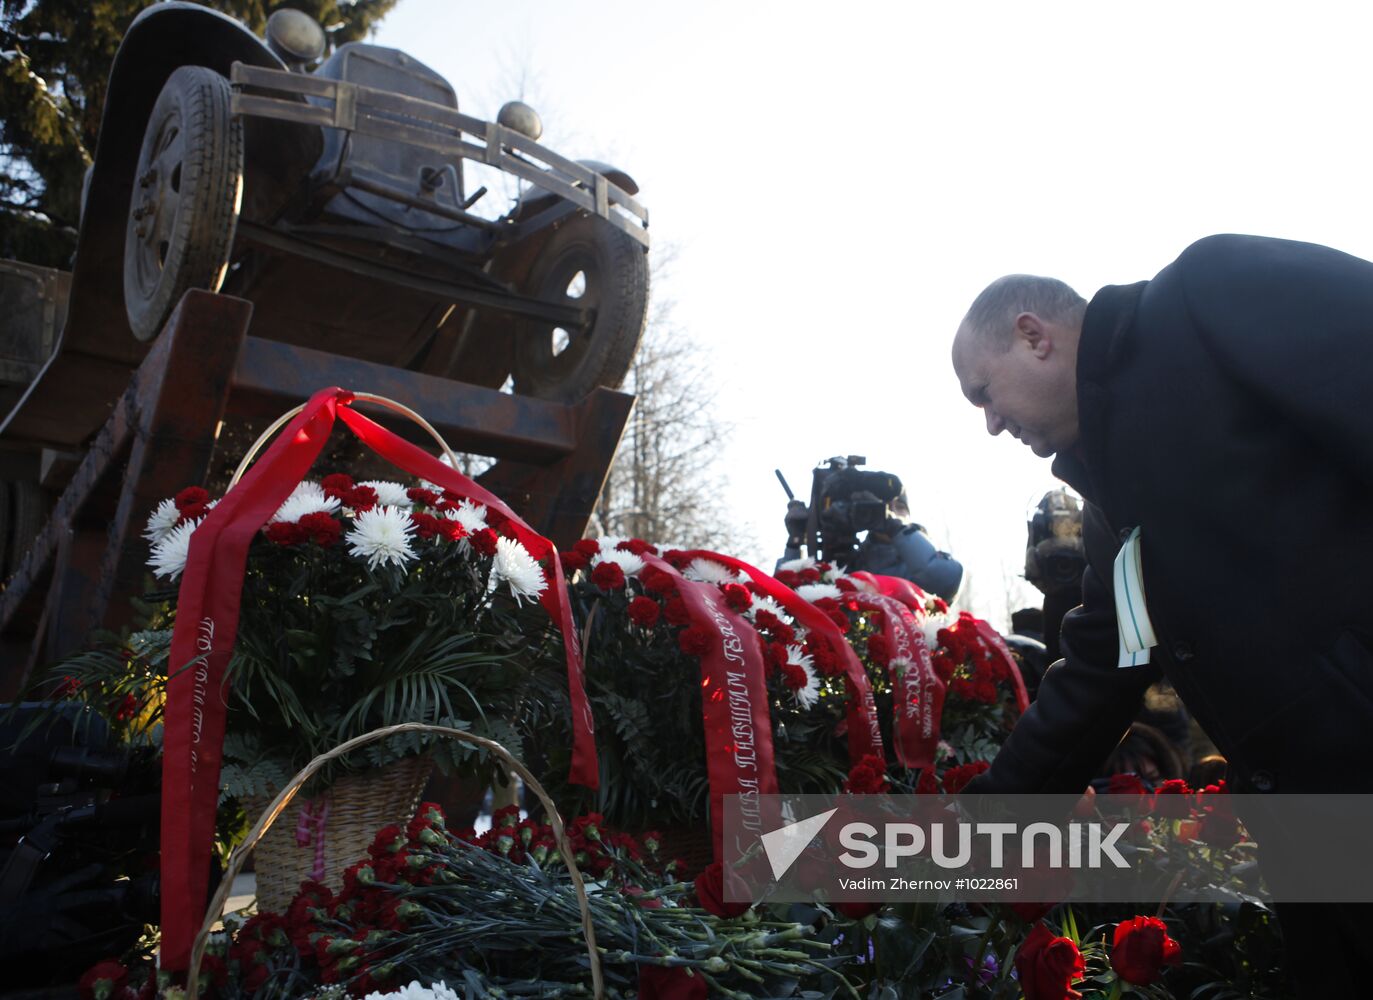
[834, 574]
[627, 561]
[709, 571]
[307, 498]
[414, 991]
[472, 516]
[812, 592]
[382, 535]
[389, 494]
[515, 566]
[169, 555]
[761, 602]
[609, 542]
[796, 565]
[806, 695]
[161, 521]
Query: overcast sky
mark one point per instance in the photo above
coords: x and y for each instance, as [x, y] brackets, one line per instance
[841, 180]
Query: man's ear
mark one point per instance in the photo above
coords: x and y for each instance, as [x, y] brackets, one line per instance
[1033, 332]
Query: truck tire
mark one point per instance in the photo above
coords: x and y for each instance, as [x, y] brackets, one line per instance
[186, 196]
[23, 512]
[586, 261]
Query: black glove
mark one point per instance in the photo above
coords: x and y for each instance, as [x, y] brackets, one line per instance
[797, 516]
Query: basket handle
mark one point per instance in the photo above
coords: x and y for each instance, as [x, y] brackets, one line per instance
[279, 804]
[363, 397]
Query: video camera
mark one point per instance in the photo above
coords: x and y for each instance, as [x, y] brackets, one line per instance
[844, 501]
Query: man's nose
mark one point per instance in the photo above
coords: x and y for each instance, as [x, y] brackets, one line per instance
[995, 425]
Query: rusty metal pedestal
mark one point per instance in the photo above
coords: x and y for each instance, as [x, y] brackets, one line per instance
[78, 573]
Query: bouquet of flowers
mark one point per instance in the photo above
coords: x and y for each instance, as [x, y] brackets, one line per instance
[364, 605]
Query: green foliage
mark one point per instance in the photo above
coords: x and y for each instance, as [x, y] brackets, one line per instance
[55, 59]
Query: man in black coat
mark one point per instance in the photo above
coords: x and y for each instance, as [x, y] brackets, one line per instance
[1219, 422]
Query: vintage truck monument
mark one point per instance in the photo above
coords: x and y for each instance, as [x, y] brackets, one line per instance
[260, 222]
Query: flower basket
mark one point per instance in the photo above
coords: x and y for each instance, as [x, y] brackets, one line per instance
[333, 830]
[278, 806]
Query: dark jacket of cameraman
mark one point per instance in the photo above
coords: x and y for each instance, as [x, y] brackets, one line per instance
[1224, 409]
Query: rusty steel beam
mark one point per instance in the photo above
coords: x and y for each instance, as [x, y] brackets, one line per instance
[271, 377]
[89, 558]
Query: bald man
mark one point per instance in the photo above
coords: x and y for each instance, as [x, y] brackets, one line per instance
[1218, 419]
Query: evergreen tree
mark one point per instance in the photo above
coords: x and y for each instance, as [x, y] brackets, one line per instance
[55, 58]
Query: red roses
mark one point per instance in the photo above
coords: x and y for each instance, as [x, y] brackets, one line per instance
[1141, 948]
[710, 890]
[1048, 965]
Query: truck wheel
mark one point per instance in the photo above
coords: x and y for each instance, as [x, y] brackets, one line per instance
[24, 509]
[587, 261]
[185, 200]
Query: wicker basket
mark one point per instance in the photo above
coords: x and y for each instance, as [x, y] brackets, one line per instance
[324, 836]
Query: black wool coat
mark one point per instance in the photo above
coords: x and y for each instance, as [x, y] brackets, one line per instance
[1226, 409]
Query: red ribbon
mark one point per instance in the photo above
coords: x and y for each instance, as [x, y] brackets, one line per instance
[734, 705]
[894, 586]
[992, 639]
[865, 734]
[207, 626]
[917, 691]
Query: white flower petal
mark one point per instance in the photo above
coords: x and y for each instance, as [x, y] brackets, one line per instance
[796, 565]
[627, 561]
[168, 557]
[813, 592]
[161, 521]
[382, 535]
[389, 494]
[307, 498]
[514, 565]
[709, 571]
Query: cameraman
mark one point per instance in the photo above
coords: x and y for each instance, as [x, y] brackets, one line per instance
[896, 548]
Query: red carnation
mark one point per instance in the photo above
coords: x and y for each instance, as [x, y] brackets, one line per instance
[644, 611]
[846, 585]
[426, 525]
[927, 784]
[484, 542]
[776, 653]
[588, 547]
[1141, 948]
[868, 776]
[675, 611]
[794, 676]
[572, 562]
[677, 558]
[1048, 965]
[856, 910]
[955, 778]
[286, 533]
[337, 486]
[321, 528]
[737, 596]
[695, 640]
[361, 498]
[710, 890]
[1173, 799]
[657, 581]
[879, 650]
[637, 546]
[418, 494]
[826, 662]
[608, 576]
[810, 575]
[789, 578]
[191, 496]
